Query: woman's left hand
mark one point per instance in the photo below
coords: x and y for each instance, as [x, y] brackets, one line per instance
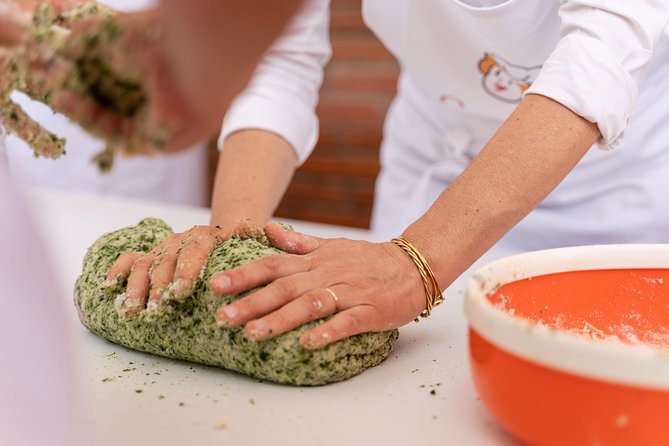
[367, 286]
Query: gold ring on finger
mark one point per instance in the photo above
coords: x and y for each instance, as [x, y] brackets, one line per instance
[334, 296]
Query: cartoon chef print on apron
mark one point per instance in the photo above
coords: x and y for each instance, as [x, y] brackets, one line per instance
[465, 66]
[503, 80]
[465, 69]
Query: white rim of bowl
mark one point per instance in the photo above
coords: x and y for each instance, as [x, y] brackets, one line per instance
[638, 366]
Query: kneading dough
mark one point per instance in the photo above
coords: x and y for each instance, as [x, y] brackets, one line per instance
[186, 329]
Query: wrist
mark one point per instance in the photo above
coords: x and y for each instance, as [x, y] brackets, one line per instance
[432, 289]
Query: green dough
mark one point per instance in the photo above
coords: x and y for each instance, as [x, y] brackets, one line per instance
[186, 329]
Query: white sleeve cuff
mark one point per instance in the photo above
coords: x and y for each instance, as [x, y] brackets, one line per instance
[282, 94]
[585, 76]
[299, 127]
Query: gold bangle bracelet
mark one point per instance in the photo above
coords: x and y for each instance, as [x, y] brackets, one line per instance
[433, 293]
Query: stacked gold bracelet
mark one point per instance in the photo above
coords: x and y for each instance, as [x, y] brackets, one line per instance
[432, 290]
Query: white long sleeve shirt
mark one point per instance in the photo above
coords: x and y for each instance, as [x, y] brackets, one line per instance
[480, 55]
[466, 64]
[576, 52]
[282, 95]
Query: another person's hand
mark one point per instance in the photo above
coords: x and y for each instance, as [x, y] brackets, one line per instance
[137, 105]
[15, 15]
[170, 270]
[27, 66]
[12, 16]
[103, 69]
[366, 286]
[159, 79]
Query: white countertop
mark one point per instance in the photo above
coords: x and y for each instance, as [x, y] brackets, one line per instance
[130, 398]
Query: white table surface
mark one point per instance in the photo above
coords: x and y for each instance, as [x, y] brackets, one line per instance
[130, 398]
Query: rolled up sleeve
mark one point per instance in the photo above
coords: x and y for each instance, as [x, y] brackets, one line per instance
[605, 50]
[283, 92]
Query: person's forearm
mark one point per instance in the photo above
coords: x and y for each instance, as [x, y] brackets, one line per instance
[524, 161]
[213, 46]
[254, 169]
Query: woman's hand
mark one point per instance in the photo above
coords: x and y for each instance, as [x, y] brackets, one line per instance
[171, 270]
[366, 286]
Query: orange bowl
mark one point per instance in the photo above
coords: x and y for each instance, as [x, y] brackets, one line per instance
[571, 346]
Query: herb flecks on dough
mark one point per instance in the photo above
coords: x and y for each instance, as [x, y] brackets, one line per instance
[186, 329]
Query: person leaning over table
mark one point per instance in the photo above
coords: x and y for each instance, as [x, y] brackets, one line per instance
[502, 112]
[36, 380]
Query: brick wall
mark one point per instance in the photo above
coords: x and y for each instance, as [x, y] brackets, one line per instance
[336, 184]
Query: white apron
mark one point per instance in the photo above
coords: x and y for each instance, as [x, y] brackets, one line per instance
[177, 178]
[464, 70]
